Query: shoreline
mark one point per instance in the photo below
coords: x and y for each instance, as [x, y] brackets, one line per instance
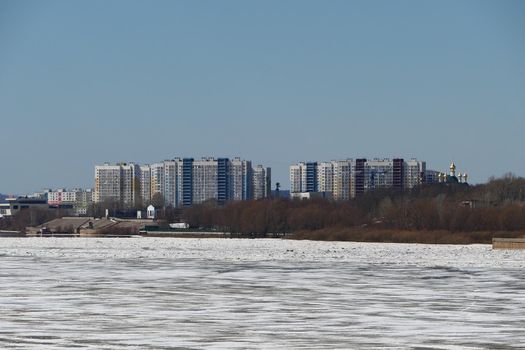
[405, 236]
[324, 235]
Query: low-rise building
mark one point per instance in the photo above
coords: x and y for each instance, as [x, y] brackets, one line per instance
[15, 205]
[311, 195]
[78, 199]
[5, 210]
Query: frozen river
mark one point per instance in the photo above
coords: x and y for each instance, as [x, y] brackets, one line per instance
[161, 293]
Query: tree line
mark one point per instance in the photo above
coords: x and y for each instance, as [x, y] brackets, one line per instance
[498, 205]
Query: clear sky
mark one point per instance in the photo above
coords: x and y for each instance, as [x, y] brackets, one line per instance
[277, 82]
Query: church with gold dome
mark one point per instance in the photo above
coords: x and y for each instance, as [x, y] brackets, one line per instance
[451, 177]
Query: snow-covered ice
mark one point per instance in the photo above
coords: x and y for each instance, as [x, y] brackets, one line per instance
[161, 293]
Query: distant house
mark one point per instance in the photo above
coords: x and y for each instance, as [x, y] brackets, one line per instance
[311, 195]
[5, 209]
[150, 212]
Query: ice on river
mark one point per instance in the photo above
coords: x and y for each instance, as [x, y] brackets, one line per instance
[161, 293]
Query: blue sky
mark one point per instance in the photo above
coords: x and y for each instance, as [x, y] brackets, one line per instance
[84, 82]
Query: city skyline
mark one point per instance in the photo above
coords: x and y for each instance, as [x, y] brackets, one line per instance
[284, 185]
[277, 82]
[325, 170]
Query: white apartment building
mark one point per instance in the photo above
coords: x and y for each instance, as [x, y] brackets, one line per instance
[240, 175]
[171, 182]
[414, 173]
[145, 184]
[205, 177]
[325, 177]
[130, 182]
[157, 179]
[296, 178]
[163, 178]
[118, 183]
[80, 199]
[341, 179]
[261, 182]
[107, 183]
[61, 196]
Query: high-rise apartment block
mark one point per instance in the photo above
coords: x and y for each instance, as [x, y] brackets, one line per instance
[130, 184]
[242, 174]
[261, 182]
[108, 183]
[341, 170]
[182, 182]
[348, 178]
[205, 180]
[145, 184]
[296, 178]
[170, 178]
[118, 183]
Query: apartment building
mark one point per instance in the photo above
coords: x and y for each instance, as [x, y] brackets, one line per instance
[130, 184]
[118, 183]
[261, 182]
[145, 184]
[379, 173]
[205, 180]
[61, 196]
[107, 183]
[170, 185]
[296, 178]
[84, 201]
[80, 200]
[414, 173]
[341, 170]
[157, 179]
[325, 177]
[241, 173]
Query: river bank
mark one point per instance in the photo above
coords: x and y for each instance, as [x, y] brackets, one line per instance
[330, 234]
[403, 236]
